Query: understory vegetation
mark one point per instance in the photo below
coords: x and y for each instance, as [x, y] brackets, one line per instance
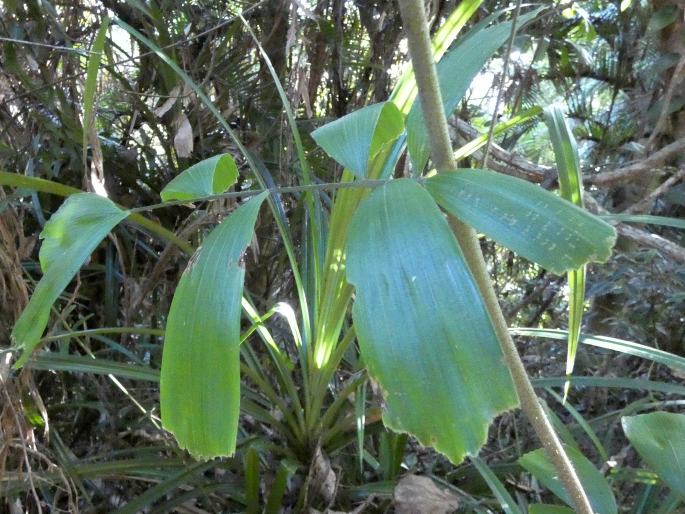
[264, 256]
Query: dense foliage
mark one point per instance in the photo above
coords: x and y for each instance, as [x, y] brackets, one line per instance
[122, 97]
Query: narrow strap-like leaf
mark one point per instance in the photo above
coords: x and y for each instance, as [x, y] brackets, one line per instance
[543, 508]
[571, 189]
[496, 486]
[405, 90]
[91, 80]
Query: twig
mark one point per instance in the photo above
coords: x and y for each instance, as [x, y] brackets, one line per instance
[636, 169]
[46, 45]
[644, 204]
[643, 237]
[414, 18]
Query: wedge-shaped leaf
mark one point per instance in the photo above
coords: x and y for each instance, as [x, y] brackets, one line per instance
[212, 176]
[423, 329]
[354, 140]
[69, 237]
[659, 438]
[200, 380]
[456, 71]
[524, 217]
[595, 485]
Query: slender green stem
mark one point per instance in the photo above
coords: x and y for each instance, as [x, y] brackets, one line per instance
[106, 330]
[414, 18]
[158, 230]
[324, 186]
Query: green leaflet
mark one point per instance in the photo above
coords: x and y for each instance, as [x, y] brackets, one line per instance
[524, 217]
[354, 140]
[200, 376]
[82, 364]
[212, 176]
[595, 485]
[496, 486]
[540, 508]
[659, 438]
[610, 343]
[482, 140]
[566, 155]
[71, 235]
[91, 80]
[571, 189]
[456, 71]
[645, 218]
[423, 329]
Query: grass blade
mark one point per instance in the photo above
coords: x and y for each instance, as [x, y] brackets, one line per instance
[610, 343]
[635, 384]
[312, 199]
[91, 83]
[496, 486]
[82, 364]
[571, 189]
[583, 424]
[646, 219]
[153, 494]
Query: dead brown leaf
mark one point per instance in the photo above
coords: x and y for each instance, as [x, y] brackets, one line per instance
[183, 140]
[420, 495]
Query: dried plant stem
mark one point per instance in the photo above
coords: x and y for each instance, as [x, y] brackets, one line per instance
[414, 19]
